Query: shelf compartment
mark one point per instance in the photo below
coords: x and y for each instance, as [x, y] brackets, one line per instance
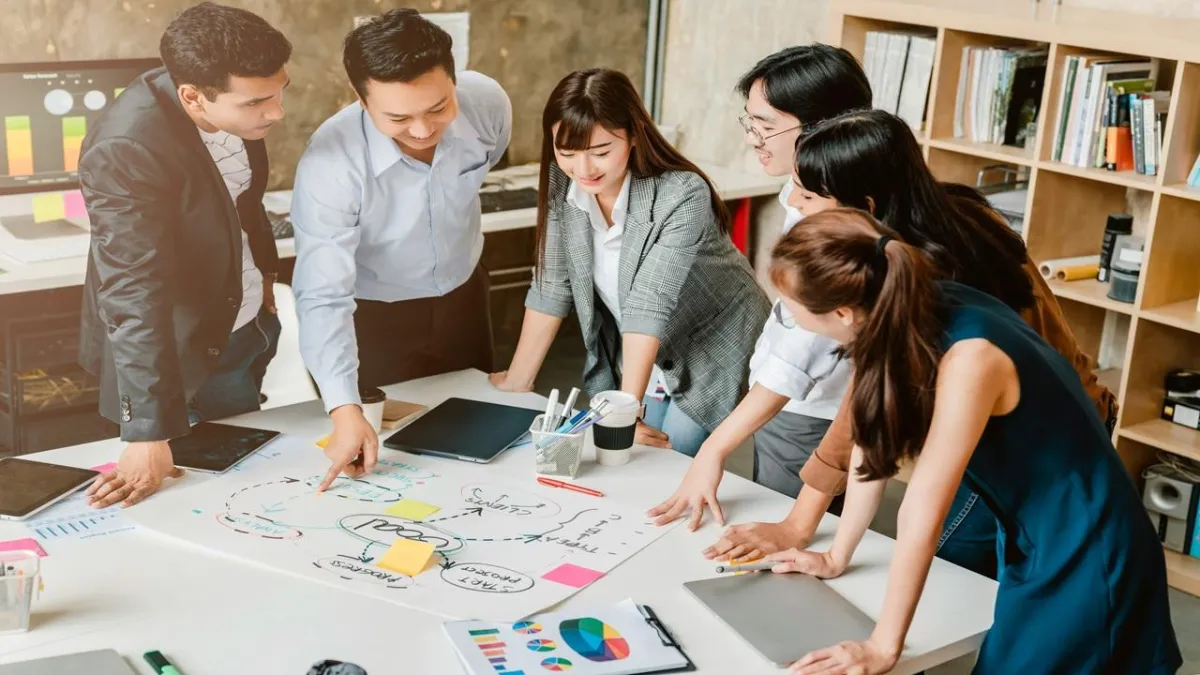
[1183, 572]
[1170, 273]
[1181, 315]
[1167, 436]
[1067, 218]
[1089, 292]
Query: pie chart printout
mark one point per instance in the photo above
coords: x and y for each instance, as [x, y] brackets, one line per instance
[556, 664]
[594, 640]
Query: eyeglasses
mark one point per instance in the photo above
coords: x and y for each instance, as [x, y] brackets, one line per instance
[785, 321]
[759, 139]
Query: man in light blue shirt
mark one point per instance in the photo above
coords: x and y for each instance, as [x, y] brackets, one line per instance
[386, 211]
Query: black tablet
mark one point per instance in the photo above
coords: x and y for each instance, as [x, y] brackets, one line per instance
[459, 428]
[216, 448]
[27, 487]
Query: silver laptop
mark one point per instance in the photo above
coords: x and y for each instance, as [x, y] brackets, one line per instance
[782, 616]
[102, 662]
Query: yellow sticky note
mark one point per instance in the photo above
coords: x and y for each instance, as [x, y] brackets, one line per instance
[323, 441]
[48, 206]
[411, 509]
[407, 557]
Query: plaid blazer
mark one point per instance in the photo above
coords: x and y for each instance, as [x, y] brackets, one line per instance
[680, 280]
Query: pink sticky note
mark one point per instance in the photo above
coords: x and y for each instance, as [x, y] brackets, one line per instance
[105, 468]
[26, 544]
[572, 575]
[73, 204]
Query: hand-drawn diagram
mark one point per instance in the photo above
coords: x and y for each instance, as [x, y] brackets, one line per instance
[502, 552]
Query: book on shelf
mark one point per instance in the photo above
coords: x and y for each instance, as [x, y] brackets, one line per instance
[999, 93]
[899, 67]
[1094, 108]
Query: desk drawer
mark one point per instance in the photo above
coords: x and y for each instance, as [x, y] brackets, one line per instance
[47, 432]
[39, 391]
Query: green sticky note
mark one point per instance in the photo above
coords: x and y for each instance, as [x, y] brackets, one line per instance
[74, 127]
[48, 206]
[17, 123]
[411, 509]
[407, 556]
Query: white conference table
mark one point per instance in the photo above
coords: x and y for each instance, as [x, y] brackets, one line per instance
[136, 591]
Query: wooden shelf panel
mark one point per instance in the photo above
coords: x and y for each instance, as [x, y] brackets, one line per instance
[1182, 190]
[1164, 435]
[1179, 315]
[1183, 572]
[1129, 179]
[1089, 292]
[994, 151]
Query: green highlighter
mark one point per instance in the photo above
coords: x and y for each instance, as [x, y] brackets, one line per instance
[160, 664]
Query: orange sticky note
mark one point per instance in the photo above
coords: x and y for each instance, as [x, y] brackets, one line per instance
[407, 556]
[411, 509]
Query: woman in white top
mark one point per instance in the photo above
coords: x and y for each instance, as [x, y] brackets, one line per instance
[633, 238]
[797, 378]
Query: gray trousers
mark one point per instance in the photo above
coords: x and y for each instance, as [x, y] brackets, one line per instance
[782, 446]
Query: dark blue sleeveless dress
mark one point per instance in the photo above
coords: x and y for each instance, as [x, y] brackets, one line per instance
[1083, 584]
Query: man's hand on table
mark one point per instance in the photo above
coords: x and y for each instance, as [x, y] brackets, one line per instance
[140, 473]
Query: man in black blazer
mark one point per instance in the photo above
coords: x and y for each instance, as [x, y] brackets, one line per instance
[178, 317]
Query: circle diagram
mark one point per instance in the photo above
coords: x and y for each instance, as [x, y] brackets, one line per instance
[94, 99]
[594, 640]
[542, 645]
[58, 102]
[527, 627]
[556, 664]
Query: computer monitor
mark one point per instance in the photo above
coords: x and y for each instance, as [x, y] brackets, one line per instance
[46, 110]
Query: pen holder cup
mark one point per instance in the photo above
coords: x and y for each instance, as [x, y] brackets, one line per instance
[19, 578]
[556, 454]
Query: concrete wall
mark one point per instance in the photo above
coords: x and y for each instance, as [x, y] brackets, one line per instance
[527, 45]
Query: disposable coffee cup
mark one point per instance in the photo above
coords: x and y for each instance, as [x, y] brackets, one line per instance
[613, 434]
[372, 406]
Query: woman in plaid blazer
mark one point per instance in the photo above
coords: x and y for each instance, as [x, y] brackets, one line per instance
[633, 237]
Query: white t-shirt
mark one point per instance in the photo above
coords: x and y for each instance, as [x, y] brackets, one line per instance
[229, 154]
[606, 257]
[798, 364]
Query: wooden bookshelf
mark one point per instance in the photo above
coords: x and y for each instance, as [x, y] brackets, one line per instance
[1068, 205]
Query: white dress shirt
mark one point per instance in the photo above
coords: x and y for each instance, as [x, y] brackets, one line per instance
[373, 223]
[606, 255]
[229, 154]
[796, 363]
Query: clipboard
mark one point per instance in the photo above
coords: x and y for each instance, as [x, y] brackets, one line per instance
[668, 640]
[624, 638]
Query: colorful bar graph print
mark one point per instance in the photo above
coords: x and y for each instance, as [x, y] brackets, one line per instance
[488, 641]
[74, 129]
[18, 135]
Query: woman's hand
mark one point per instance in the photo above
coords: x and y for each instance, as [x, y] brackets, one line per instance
[648, 435]
[847, 658]
[751, 541]
[503, 382]
[699, 488]
[820, 565]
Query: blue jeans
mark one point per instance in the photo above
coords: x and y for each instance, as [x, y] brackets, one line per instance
[686, 436]
[969, 534]
[233, 388]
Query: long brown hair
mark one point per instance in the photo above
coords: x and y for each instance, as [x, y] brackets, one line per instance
[834, 259]
[599, 96]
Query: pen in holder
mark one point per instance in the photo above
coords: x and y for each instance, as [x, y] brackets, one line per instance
[556, 454]
[19, 578]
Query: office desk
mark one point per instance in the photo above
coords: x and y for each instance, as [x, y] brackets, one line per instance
[135, 591]
[732, 185]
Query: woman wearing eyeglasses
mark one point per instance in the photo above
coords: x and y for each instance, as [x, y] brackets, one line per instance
[797, 378]
[633, 238]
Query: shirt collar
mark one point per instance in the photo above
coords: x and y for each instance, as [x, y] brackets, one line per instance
[385, 152]
[792, 215]
[586, 202]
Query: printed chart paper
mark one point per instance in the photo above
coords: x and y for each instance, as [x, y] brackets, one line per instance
[502, 550]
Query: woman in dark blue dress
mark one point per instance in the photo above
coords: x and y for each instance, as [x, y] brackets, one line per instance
[955, 379]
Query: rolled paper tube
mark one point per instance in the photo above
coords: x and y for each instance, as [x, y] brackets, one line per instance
[1049, 268]
[1077, 272]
